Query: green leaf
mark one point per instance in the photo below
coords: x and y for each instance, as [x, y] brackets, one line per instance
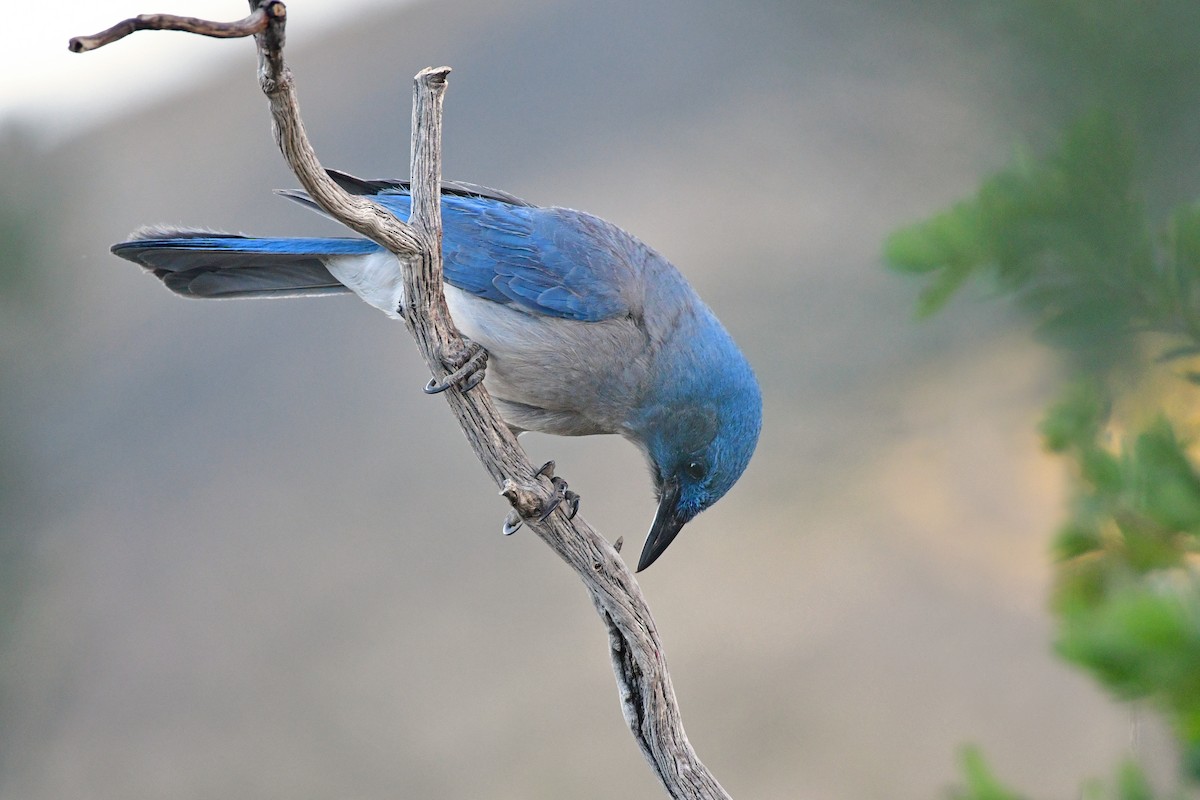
[1076, 540]
[1191, 761]
[1141, 640]
[1075, 421]
[1168, 486]
[949, 239]
[981, 783]
[1132, 783]
[941, 290]
[1102, 470]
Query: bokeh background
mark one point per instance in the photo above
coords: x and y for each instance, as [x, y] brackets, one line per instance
[242, 555]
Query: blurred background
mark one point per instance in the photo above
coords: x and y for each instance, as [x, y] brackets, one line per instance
[241, 554]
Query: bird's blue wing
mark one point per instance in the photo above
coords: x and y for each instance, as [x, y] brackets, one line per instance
[549, 261]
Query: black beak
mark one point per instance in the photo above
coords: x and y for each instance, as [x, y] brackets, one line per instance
[666, 526]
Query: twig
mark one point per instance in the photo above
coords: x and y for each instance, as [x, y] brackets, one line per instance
[647, 696]
[249, 26]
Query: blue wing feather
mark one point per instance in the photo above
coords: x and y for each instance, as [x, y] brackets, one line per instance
[549, 261]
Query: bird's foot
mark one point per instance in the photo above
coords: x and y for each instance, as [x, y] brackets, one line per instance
[468, 370]
[512, 522]
[561, 494]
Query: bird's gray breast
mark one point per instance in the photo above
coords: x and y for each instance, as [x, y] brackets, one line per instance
[557, 375]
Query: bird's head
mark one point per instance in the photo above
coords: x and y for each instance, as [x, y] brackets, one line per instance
[699, 445]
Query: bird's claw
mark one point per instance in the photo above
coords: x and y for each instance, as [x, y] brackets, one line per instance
[561, 495]
[572, 500]
[513, 521]
[469, 371]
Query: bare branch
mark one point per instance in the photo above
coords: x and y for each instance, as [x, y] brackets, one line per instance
[647, 696]
[249, 26]
[357, 213]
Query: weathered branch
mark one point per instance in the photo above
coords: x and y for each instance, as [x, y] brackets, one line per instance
[255, 23]
[647, 696]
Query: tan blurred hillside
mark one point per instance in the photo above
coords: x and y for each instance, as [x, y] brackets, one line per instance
[267, 566]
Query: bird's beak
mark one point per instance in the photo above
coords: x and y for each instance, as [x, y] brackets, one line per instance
[666, 526]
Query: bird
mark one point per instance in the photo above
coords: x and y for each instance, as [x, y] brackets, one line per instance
[587, 329]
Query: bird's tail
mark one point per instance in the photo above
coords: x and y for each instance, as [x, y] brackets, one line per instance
[202, 263]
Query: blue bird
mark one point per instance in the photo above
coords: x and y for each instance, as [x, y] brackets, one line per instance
[588, 330]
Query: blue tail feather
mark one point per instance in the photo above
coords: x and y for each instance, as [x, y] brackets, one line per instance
[206, 264]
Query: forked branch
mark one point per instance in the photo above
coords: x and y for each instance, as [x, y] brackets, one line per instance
[647, 696]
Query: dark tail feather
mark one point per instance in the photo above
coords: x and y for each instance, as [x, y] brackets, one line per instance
[205, 264]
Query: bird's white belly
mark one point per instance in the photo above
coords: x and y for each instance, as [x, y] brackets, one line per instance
[541, 367]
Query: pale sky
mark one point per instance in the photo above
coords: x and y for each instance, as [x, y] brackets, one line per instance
[44, 83]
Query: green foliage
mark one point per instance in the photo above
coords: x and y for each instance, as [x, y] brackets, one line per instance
[1075, 423]
[1068, 236]
[1132, 784]
[981, 783]
[1128, 594]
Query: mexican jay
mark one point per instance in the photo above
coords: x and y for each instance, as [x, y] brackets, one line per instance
[588, 330]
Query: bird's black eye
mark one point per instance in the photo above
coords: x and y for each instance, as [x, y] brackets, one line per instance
[696, 469]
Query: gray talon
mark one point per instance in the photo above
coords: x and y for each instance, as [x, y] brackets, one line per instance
[467, 376]
[552, 504]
